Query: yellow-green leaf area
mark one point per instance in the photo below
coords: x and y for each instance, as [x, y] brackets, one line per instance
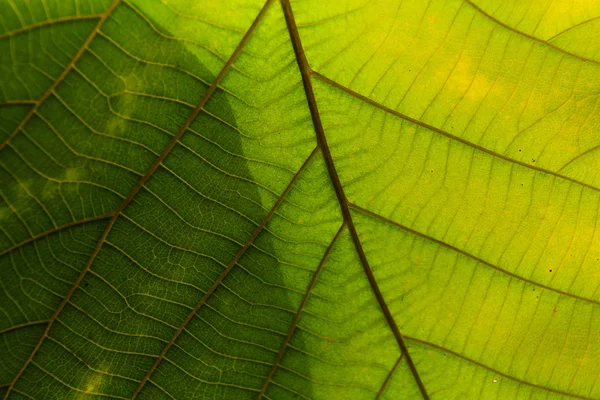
[299, 199]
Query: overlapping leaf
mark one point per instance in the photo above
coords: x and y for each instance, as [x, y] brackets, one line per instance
[233, 199]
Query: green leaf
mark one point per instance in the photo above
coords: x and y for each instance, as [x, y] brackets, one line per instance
[233, 199]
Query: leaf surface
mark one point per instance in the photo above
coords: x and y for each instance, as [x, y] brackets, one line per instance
[239, 199]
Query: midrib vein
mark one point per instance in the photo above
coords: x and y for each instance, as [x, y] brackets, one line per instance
[103, 17]
[294, 325]
[306, 73]
[248, 243]
[449, 135]
[144, 178]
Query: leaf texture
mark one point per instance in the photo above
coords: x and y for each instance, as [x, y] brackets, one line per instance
[238, 199]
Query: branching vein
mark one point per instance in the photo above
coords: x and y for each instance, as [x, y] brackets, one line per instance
[339, 190]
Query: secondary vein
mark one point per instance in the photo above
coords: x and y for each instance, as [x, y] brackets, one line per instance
[469, 255]
[34, 109]
[294, 325]
[388, 378]
[140, 183]
[528, 36]
[225, 272]
[388, 110]
[103, 17]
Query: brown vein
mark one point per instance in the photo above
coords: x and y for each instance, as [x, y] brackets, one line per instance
[306, 72]
[388, 378]
[54, 230]
[24, 325]
[535, 39]
[292, 329]
[495, 371]
[103, 17]
[49, 23]
[17, 103]
[141, 182]
[587, 21]
[447, 134]
[229, 267]
[85, 44]
[63, 303]
[469, 255]
[579, 156]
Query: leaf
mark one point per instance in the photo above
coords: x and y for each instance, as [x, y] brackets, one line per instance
[233, 199]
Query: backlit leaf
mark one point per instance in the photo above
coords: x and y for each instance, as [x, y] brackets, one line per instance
[332, 200]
